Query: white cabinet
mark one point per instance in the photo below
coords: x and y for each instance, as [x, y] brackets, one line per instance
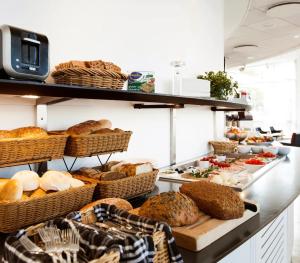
[273, 244]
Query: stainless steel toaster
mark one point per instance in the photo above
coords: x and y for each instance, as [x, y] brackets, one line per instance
[23, 54]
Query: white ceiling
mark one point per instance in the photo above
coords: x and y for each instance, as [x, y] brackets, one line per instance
[273, 36]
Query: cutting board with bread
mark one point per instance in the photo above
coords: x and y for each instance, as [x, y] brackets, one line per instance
[200, 213]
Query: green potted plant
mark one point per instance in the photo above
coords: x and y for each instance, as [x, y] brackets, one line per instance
[221, 84]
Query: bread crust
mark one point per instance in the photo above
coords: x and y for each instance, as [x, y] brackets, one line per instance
[215, 200]
[29, 132]
[174, 208]
[88, 127]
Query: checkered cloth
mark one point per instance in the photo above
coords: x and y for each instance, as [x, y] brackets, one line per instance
[136, 249]
[95, 241]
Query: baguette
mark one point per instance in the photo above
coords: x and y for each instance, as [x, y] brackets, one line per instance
[29, 133]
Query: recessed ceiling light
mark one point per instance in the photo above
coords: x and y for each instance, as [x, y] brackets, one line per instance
[250, 57]
[245, 48]
[30, 97]
[284, 10]
[296, 36]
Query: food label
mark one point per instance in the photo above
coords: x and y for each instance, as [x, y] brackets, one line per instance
[143, 81]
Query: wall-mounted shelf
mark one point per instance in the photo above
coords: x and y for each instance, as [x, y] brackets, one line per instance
[52, 93]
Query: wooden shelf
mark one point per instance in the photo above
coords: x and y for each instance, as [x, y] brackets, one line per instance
[52, 93]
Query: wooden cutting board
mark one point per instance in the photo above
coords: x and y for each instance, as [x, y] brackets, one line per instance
[207, 230]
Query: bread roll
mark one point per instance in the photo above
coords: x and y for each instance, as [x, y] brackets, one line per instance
[29, 179]
[174, 208]
[11, 191]
[55, 180]
[3, 181]
[215, 200]
[75, 182]
[29, 133]
[117, 130]
[105, 124]
[118, 202]
[38, 193]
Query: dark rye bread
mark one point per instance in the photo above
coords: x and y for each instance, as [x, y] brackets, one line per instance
[215, 200]
[174, 208]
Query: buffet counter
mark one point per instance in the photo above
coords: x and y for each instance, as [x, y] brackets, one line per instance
[275, 192]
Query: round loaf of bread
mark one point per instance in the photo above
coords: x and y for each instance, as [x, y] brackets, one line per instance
[118, 202]
[55, 180]
[174, 208]
[29, 179]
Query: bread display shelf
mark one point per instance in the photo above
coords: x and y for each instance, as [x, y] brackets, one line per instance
[19, 214]
[126, 188]
[15, 152]
[97, 144]
[207, 230]
[244, 178]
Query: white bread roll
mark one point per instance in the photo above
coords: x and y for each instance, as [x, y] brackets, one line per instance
[105, 124]
[29, 179]
[76, 183]
[55, 181]
[11, 191]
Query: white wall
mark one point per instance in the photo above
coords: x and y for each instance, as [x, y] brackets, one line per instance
[137, 35]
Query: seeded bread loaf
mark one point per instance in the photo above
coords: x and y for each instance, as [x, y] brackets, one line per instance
[215, 200]
[174, 208]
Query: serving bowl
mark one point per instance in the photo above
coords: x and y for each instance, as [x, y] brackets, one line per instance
[271, 149]
[284, 150]
[244, 149]
[257, 149]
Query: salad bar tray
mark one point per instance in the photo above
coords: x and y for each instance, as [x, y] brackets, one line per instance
[234, 173]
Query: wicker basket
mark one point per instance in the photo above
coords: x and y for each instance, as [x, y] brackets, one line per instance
[90, 77]
[222, 147]
[127, 188]
[16, 215]
[96, 144]
[159, 239]
[23, 151]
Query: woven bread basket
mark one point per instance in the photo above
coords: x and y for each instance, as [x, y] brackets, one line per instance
[19, 214]
[222, 147]
[126, 188]
[96, 144]
[90, 77]
[159, 239]
[15, 152]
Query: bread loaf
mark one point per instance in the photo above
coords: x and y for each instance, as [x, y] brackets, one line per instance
[29, 179]
[38, 193]
[29, 133]
[5, 134]
[215, 200]
[11, 191]
[174, 208]
[88, 127]
[3, 181]
[133, 169]
[118, 202]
